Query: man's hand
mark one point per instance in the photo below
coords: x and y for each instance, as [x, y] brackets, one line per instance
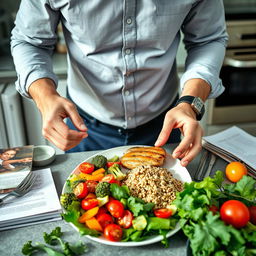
[54, 109]
[183, 117]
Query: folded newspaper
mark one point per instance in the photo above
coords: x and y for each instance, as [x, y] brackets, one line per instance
[234, 144]
[40, 204]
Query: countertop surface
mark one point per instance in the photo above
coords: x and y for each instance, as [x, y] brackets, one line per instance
[12, 240]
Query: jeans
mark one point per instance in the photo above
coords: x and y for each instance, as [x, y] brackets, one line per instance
[104, 136]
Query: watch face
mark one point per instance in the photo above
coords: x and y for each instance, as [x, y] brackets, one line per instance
[198, 105]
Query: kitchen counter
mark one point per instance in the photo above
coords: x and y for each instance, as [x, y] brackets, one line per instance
[12, 240]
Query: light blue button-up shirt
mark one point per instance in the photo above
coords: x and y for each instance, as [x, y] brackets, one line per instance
[121, 54]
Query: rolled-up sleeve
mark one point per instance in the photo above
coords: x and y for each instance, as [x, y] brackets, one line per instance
[32, 43]
[205, 40]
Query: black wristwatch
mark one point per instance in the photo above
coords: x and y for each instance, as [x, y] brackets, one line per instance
[196, 104]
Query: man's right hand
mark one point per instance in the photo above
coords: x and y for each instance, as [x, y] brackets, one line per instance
[54, 109]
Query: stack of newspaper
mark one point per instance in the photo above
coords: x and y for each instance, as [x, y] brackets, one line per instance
[234, 144]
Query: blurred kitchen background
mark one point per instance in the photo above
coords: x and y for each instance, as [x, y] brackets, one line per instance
[20, 121]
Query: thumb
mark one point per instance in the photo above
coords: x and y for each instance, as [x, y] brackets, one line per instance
[77, 120]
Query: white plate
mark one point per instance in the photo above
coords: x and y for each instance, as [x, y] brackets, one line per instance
[173, 165]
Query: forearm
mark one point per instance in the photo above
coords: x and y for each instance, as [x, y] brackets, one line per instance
[197, 87]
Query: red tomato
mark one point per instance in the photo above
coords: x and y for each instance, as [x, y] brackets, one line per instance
[214, 209]
[102, 210]
[81, 190]
[113, 232]
[126, 220]
[104, 219]
[252, 210]
[111, 163]
[91, 185]
[86, 167]
[110, 178]
[90, 203]
[163, 213]
[116, 208]
[235, 213]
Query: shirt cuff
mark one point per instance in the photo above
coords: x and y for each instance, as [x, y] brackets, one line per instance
[217, 87]
[22, 84]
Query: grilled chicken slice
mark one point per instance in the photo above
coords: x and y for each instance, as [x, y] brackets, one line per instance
[137, 156]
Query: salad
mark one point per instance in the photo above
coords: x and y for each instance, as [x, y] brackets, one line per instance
[97, 204]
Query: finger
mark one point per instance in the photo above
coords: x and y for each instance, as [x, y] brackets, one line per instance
[192, 153]
[165, 132]
[60, 142]
[75, 117]
[67, 133]
[190, 132]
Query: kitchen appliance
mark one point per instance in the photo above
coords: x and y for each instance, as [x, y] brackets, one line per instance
[237, 105]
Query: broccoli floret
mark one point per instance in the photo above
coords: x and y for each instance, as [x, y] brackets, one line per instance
[66, 199]
[102, 189]
[114, 159]
[116, 171]
[99, 161]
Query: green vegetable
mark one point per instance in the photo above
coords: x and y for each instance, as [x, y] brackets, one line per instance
[119, 192]
[74, 183]
[102, 189]
[66, 199]
[139, 223]
[114, 159]
[116, 171]
[51, 238]
[99, 161]
[102, 200]
[158, 223]
[208, 234]
[72, 214]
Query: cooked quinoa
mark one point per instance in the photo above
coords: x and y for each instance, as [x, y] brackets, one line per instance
[153, 184]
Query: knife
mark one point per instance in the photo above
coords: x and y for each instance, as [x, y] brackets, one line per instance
[211, 164]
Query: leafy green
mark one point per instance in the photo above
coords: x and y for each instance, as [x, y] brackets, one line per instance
[119, 192]
[51, 238]
[208, 234]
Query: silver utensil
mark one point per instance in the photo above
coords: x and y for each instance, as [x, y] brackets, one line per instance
[211, 164]
[201, 166]
[22, 188]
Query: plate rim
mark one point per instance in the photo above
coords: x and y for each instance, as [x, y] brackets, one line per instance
[101, 239]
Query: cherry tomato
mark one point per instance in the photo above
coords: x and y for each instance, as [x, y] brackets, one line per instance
[163, 213]
[113, 232]
[116, 208]
[81, 190]
[110, 178]
[91, 185]
[111, 163]
[102, 210]
[104, 219]
[90, 203]
[126, 220]
[214, 209]
[252, 210]
[235, 171]
[235, 213]
[86, 167]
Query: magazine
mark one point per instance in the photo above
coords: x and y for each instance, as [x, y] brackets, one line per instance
[234, 144]
[15, 164]
[40, 204]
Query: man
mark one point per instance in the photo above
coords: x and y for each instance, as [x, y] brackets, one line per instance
[121, 70]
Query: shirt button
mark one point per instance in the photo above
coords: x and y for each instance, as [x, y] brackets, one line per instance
[127, 93]
[129, 21]
[129, 118]
[128, 51]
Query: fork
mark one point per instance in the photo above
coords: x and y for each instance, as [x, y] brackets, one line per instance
[22, 188]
